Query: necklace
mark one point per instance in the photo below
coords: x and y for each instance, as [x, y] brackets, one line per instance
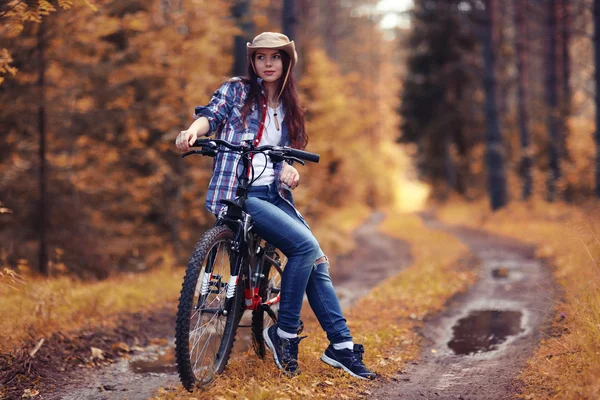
[275, 115]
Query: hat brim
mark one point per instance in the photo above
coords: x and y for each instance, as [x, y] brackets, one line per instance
[289, 48]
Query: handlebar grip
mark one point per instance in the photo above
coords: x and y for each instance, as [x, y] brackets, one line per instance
[304, 155]
[200, 141]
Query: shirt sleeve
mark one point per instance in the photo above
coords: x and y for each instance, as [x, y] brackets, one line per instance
[220, 105]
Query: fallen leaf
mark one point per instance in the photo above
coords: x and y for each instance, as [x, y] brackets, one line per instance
[120, 346]
[159, 341]
[29, 393]
[97, 353]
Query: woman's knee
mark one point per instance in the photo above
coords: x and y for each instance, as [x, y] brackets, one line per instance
[321, 260]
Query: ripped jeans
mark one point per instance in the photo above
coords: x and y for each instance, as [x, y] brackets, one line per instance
[277, 222]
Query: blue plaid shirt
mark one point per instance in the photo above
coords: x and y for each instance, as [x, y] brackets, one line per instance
[224, 115]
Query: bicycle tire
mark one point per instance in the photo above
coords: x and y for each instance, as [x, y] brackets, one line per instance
[192, 285]
[258, 316]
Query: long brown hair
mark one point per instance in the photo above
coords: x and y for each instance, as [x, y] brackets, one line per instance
[294, 115]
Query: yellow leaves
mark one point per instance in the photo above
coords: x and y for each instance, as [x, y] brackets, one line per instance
[85, 104]
[45, 8]
[5, 67]
[137, 22]
[5, 61]
[66, 4]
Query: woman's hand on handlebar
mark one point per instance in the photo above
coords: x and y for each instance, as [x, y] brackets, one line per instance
[290, 176]
[185, 139]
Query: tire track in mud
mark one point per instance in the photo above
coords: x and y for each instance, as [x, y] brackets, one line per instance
[375, 258]
[475, 348]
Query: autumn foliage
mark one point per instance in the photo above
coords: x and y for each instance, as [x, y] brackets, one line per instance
[121, 80]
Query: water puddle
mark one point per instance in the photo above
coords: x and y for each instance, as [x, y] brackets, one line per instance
[500, 272]
[484, 330]
[163, 363]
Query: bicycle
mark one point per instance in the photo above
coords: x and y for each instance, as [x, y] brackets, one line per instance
[230, 271]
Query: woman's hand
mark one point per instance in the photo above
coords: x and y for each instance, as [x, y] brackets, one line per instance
[185, 139]
[290, 176]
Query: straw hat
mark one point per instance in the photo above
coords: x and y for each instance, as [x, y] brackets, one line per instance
[273, 40]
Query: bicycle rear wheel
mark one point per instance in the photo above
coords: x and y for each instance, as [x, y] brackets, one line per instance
[207, 320]
[270, 285]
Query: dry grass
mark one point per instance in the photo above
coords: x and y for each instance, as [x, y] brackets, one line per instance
[385, 322]
[567, 364]
[33, 307]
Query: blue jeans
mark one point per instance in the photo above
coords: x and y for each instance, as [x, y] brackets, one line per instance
[277, 221]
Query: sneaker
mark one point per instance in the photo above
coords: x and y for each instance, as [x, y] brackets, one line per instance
[285, 351]
[348, 360]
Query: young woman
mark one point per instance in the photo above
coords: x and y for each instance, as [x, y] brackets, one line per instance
[264, 108]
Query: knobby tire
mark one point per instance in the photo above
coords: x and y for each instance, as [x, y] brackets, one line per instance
[182, 330]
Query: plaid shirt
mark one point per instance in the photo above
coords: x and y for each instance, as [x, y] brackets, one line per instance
[224, 115]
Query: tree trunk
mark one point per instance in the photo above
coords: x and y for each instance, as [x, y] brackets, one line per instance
[43, 253]
[566, 73]
[329, 25]
[551, 98]
[493, 138]
[521, 50]
[241, 13]
[597, 99]
[289, 19]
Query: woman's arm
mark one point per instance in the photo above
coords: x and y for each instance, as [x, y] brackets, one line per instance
[209, 117]
[185, 139]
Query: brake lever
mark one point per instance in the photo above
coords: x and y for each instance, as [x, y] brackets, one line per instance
[203, 152]
[296, 160]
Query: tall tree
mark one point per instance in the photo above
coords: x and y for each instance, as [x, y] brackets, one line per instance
[43, 249]
[240, 11]
[521, 52]
[554, 172]
[493, 137]
[597, 76]
[565, 34]
[289, 20]
[438, 96]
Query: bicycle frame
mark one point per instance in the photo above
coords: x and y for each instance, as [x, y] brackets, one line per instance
[247, 250]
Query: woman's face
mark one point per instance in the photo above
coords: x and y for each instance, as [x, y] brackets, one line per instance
[268, 64]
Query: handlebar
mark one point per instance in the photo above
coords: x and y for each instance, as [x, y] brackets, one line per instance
[277, 153]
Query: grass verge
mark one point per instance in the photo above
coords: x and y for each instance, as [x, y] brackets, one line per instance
[32, 308]
[567, 363]
[385, 321]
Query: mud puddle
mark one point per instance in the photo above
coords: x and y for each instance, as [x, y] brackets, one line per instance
[376, 258]
[476, 347]
[484, 330]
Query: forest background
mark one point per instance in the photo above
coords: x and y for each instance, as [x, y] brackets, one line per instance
[484, 97]
[94, 93]
[487, 109]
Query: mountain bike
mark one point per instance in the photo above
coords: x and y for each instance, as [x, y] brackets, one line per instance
[230, 271]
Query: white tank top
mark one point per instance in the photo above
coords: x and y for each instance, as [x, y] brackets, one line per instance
[271, 136]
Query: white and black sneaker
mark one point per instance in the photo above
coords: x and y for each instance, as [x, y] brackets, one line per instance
[285, 351]
[348, 360]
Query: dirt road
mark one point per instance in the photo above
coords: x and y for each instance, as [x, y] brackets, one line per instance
[375, 258]
[473, 349]
[476, 347]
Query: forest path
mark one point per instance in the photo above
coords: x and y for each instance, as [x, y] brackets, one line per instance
[375, 258]
[475, 348]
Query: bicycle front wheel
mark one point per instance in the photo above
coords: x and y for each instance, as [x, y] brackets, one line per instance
[210, 308]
